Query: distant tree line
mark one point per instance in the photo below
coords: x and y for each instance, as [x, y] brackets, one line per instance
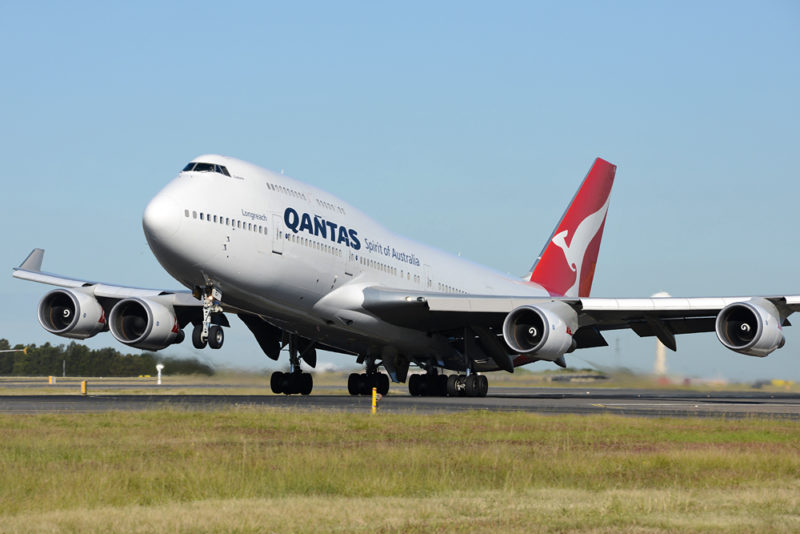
[82, 361]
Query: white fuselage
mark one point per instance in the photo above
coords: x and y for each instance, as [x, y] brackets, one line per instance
[300, 257]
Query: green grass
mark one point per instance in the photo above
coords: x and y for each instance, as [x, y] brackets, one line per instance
[254, 470]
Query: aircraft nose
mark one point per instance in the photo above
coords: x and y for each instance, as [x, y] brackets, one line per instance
[161, 219]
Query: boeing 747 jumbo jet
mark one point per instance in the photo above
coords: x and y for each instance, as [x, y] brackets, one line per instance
[304, 270]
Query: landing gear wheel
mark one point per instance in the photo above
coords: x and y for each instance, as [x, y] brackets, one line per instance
[413, 385]
[216, 336]
[441, 386]
[275, 382]
[452, 386]
[362, 383]
[483, 386]
[472, 385]
[383, 384]
[352, 384]
[306, 384]
[197, 337]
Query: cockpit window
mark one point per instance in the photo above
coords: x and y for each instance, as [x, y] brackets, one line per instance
[203, 167]
[206, 167]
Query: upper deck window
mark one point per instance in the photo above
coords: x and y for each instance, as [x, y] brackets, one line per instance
[206, 167]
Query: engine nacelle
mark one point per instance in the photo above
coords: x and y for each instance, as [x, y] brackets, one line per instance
[72, 314]
[752, 327]
[544, 330]
[144, 324]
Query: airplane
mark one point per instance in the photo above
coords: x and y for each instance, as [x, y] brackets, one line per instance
[305, 271]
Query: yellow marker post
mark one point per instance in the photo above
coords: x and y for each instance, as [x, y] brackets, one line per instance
[83, 387]
[50, 380]
[374, 400]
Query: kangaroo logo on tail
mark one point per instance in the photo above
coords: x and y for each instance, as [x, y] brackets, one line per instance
[567, 269]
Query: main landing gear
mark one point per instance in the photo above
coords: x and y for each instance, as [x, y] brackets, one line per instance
[433, 384]
[295, 381]
[362, 383]
[291, 383]
[206, 333]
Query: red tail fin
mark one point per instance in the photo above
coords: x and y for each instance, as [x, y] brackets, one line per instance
[567, 262]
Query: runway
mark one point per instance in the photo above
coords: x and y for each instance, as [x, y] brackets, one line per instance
[631, 402]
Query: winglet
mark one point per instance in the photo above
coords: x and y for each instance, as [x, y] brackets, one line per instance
[34, 261]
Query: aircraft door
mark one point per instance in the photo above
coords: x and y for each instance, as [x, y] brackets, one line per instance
[278, 234]
[350, 263]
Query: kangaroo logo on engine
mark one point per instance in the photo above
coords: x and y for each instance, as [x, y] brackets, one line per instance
[317, 226]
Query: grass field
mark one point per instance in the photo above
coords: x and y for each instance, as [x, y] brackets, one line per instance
[254, 470]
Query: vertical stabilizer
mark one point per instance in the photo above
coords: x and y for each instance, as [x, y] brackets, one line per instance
[566, 265]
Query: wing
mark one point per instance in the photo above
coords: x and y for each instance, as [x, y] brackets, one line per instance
[31, 270]
[81, 309]
[586, 318]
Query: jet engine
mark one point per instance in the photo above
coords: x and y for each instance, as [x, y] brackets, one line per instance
[72, 314]
[752, 327]
[544, 330]
[144, 324]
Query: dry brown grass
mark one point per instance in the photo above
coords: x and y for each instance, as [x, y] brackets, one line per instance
[545, 510]
[250, 469]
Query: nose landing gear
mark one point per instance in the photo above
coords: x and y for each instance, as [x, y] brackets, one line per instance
[207, 333]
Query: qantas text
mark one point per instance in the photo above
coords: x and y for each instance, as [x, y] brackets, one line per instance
[319, 227]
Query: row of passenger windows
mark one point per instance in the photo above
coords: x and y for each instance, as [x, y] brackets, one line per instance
[227, 221]
[450, 289]
[310, 243]
[331, 207]
[372, 264]
[205, 167]
[297, 194]
[286, 191]
[388, 269]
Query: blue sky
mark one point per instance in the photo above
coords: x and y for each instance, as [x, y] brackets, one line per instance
[466, 126]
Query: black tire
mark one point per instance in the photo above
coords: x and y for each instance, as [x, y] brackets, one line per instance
[275, 382]
[306, 383]
[383, 384]
[452, 388]
[363, 384]
[472, 386]
[367, 383]
[441, 385]
[352, 384]
[413, 385]
[462, 385]
[427, 385]
[287, 384]
[483, 388]
[216, 337]
[197, 337]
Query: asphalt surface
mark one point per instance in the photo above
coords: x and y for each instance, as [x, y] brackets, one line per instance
[633, 402]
